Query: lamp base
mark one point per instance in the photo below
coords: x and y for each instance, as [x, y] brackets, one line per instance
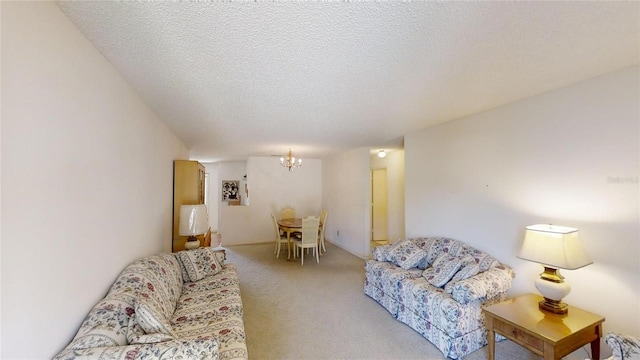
[192, 243]
[552, 286]
[554, 306]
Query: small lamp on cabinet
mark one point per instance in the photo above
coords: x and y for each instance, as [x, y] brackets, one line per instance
[554, 247]
[193, 221]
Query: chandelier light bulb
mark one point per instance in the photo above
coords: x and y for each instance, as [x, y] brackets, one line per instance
[290, 162]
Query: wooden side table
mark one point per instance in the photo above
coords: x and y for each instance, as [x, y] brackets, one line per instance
[549, 335]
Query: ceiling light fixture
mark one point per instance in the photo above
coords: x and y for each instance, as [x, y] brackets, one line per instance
[382, 154]
[290, 162]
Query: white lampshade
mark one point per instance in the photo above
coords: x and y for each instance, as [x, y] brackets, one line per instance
[193, 220]
[554, 246]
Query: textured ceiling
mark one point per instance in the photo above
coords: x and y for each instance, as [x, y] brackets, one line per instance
[253, 79]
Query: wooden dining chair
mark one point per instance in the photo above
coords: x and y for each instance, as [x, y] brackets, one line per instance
[323, 222]
[288, 213]
[207, 238]
[279, 238]
[309, 239]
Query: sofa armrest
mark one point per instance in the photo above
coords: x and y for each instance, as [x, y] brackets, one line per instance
[201, 348]
[223, 252]
[624, 347]
[484, 285]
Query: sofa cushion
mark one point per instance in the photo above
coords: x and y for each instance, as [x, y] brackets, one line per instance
[206, 347]
[434, 246]
[151, 320]
[380, 253]
[623, 346]
[405, 254]
[442, 270]
[465, 272]
[220, 255]
[484, 260]
[213, 306]
[484, 285]
[136, 335]
[467, 259]
[198, 263]
[157, 278]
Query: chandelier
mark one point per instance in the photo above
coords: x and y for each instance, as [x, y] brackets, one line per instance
[290, 162]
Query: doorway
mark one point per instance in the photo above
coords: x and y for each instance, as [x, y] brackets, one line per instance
[379, 229]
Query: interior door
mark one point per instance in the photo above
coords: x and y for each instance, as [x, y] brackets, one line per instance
[379, 205]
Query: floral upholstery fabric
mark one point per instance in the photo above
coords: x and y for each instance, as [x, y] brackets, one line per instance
[464, 273]
[198, 263]
[150, 321]
[213, 306]
[443, 269]
[135, 320]
[624, 347]
[204, 348]
[157, 279]
[405, 254]
[380, 252]
[484, 285]
[136, 335]
[453, 324]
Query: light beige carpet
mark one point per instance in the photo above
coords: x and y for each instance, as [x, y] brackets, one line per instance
[319, 311]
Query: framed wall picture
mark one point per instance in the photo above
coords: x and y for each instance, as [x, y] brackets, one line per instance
[230, 190]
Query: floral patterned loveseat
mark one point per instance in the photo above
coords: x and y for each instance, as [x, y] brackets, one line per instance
[438, 287]
[623, 346]
[185, 305]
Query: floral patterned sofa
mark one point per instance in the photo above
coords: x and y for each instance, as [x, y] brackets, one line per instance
[185, 305]
[623, 346]
[438, 287]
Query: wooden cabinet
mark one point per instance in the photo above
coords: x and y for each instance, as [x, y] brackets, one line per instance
[188, 189]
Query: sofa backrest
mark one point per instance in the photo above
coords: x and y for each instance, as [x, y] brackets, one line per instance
[435, 246]
[157, 278]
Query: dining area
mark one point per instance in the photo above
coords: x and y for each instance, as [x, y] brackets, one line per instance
[299, 234]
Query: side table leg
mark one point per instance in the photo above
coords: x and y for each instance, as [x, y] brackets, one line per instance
[595, 349]
[491, 339]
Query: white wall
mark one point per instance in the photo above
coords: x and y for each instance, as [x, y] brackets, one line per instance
[86, 179]
[271, 187]
[394, 163]
[346, 188]
[568, 157]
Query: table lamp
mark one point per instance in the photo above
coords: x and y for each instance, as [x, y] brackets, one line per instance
[193, 221]
[553, 247]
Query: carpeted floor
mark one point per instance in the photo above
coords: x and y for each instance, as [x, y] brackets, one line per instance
[319, 311]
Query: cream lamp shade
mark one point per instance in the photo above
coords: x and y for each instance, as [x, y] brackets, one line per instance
[193, 221]
[553, 247]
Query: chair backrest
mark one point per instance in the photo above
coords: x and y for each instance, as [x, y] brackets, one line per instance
[207, 238]
[323, 221]
[310, 230]
[323, 216]
[288, 213]
[275, 223]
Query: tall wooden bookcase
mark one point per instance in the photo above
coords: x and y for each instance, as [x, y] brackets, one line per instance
[188, 189]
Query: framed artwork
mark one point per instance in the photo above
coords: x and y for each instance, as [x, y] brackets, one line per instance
[230, 190]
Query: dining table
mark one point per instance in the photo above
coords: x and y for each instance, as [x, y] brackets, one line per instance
[290, 225]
